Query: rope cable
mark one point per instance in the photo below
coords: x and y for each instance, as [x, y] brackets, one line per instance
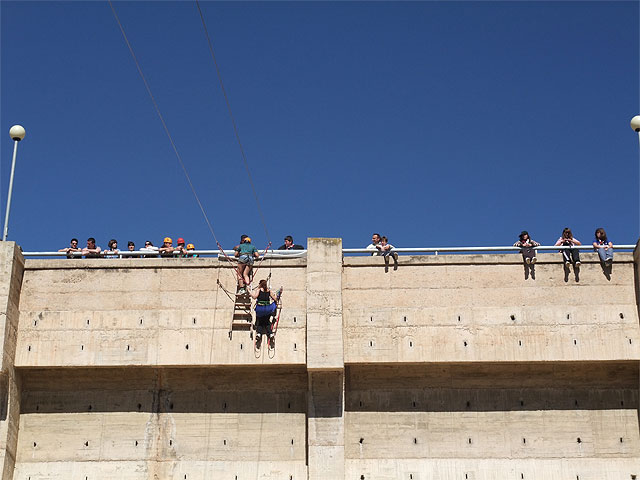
[233, 121]
[164, 124]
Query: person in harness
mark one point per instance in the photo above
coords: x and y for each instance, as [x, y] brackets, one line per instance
[266, 306]
[245, 253]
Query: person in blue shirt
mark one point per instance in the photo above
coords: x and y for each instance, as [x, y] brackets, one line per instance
[603, 246]
[246, 254]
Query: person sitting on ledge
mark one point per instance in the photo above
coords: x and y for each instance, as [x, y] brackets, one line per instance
[73, 247]
[569, 255]
[386, 249]
[527, 246]
[603, 246]
[91, 250]
[289, 245]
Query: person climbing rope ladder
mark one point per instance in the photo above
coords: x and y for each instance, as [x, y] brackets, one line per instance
[246, 253]
[265, 308]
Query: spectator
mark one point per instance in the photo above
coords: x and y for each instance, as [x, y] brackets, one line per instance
[191, 248]
[265, 308]
[603, 246]
[149, 247]
[527, 246]
[180, 249]
[113, 251]
[245, 253]
[73, 247]
[289, 245]
[375, 244]
[570, 255]
[166, 250]
[131, 247]
[91, 250]
[386, 249]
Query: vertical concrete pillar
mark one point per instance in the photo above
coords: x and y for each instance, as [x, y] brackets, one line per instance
[636, 281]
[11, 272]
[325, 359]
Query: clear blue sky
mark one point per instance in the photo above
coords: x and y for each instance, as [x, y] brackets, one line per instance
[435, 123]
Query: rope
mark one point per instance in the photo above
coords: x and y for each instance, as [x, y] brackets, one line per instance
[164, 124]
[233, 121]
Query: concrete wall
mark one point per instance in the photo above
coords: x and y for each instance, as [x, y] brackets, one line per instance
[451, 367]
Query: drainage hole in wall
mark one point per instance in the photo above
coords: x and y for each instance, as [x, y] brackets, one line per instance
[576, 403]
[140, 321]
[194, 322]
[568, 316]
[136, 443]
[621, 315]
[292, 441]
[579, 440]
[87, 321]
[361, 440]
[289, 405]
[524, 441]
[522, 403]
[81, 347]
[466, 476]
[360, 403]
[127, 348]
[171, 406]
[415, 441]
[465, 343]
[37, 407]
[622, 403]
[371, 318]
[405, 319]
[170, 442]
[522, 475]
[34, 445]
[520, 342]
[224, 405]
[186, 346]
[513, 317]
[139, 406]
[240, 346]
[224, 442]
[575, 342]
[361, 477]
[469, 440]
[459, 318]
[295, 346]
[414, 404]
[629, 341]
[371, 343]
[620, 439]
[86, 444]
[29, 348]
[411, 344]
[90, 407]
[468, 404]
[35, 323]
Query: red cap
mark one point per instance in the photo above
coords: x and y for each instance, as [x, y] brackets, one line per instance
[180, 240]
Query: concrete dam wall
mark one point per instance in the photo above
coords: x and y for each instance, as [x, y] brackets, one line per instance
[451, 367]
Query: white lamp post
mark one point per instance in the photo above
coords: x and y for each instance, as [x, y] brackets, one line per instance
[635, 125]
[17, 133]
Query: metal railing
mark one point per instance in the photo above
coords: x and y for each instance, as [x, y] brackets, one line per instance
[437, 250]
[303, 253]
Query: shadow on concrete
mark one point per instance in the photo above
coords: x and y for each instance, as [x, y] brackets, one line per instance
[194, 390]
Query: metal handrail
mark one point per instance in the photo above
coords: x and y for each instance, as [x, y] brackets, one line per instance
[345, 251]
[437, 250]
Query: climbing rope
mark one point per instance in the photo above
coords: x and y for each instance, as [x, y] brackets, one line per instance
[164, 124]
[233, 120]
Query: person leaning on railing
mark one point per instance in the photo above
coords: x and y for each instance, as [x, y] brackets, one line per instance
[527, 246]
[569, 255]
[603, 246]
[73, 247]
[91, 250]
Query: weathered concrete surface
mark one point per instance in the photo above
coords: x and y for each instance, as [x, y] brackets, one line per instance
[11, 272]
[451, 367]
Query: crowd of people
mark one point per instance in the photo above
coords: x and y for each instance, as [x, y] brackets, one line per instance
[182, 249]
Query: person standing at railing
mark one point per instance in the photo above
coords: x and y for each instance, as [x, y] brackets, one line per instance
[289, 245]
[166, 250]
[603, 246]
[91, 250]
[73, 247]
[375, 244]
[190, 248]
[569, 255]
[527, 246]
[113, 251]
[149, 247]
[180, 249]
[131, 246]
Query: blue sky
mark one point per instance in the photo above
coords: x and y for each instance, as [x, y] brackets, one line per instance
[435, 123]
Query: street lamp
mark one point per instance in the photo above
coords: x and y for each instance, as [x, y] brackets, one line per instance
[16, 133]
